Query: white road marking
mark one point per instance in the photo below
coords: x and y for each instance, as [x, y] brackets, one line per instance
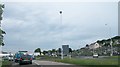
[36, 63]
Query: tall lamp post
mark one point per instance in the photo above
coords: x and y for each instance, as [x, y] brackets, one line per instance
[61, 22]
[111, 42]
[61, 16]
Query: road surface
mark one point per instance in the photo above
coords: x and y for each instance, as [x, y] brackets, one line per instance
[37, 63]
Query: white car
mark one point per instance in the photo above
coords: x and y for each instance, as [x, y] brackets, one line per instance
[95, 55]
[10, 58]
[5, 57]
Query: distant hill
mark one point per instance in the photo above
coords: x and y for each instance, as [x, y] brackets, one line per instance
[105, 42]
[102, 47]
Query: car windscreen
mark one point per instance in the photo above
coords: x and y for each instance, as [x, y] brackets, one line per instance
[26, 56]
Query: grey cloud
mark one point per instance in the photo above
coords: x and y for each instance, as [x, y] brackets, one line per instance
[39, 25]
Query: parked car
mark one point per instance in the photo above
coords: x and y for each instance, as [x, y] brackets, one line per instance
[95, 55]
[5, 57]
[10, 58]
[33, 57]
[25, 59]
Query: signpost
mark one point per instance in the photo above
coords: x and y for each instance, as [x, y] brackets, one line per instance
[65, 51]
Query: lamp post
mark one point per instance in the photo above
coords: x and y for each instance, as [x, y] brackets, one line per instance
[61, 22]
[62, 53]
[111, 42]
[61, 16]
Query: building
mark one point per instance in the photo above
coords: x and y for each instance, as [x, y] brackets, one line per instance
[36, 54]
[94, 45]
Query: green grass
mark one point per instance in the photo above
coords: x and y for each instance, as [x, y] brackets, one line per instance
[98, 62]
[0, 63]
[88, 61]
[6, 62]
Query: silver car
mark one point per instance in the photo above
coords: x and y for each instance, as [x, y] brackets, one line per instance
[10, 58]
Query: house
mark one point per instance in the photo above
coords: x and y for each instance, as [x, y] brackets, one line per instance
[94, 45]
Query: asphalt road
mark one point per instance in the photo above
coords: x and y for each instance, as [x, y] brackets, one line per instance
[37, 63]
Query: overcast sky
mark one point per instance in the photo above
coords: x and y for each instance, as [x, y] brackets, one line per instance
[60, 0]
[31, 25]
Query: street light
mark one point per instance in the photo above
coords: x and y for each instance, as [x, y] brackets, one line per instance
[61, 16]
[111, 46]
[61, 22]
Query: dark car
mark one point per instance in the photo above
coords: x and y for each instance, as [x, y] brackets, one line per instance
[17, 57]
[25, 59]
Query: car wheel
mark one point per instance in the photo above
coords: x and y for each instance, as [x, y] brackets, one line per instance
[30, 62]
[16, 61]
[20, 63]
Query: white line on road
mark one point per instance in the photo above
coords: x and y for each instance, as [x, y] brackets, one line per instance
[36, 63]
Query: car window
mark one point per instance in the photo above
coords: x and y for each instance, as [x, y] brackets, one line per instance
[10, 56]
[29, 56]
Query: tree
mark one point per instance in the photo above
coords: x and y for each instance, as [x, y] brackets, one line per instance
[50, 52]
[53, 50]
[116, 37]
[1, 31]
[59, 50]
[38, 50]
[98, 41]
[70, 50]
[45, 52]
[103, 41]
[87, 46]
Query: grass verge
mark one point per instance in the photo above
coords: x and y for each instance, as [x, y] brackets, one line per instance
[91, 62]
[6, 63]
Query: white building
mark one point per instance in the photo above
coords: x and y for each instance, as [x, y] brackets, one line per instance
[94, 45]
[36, 54]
